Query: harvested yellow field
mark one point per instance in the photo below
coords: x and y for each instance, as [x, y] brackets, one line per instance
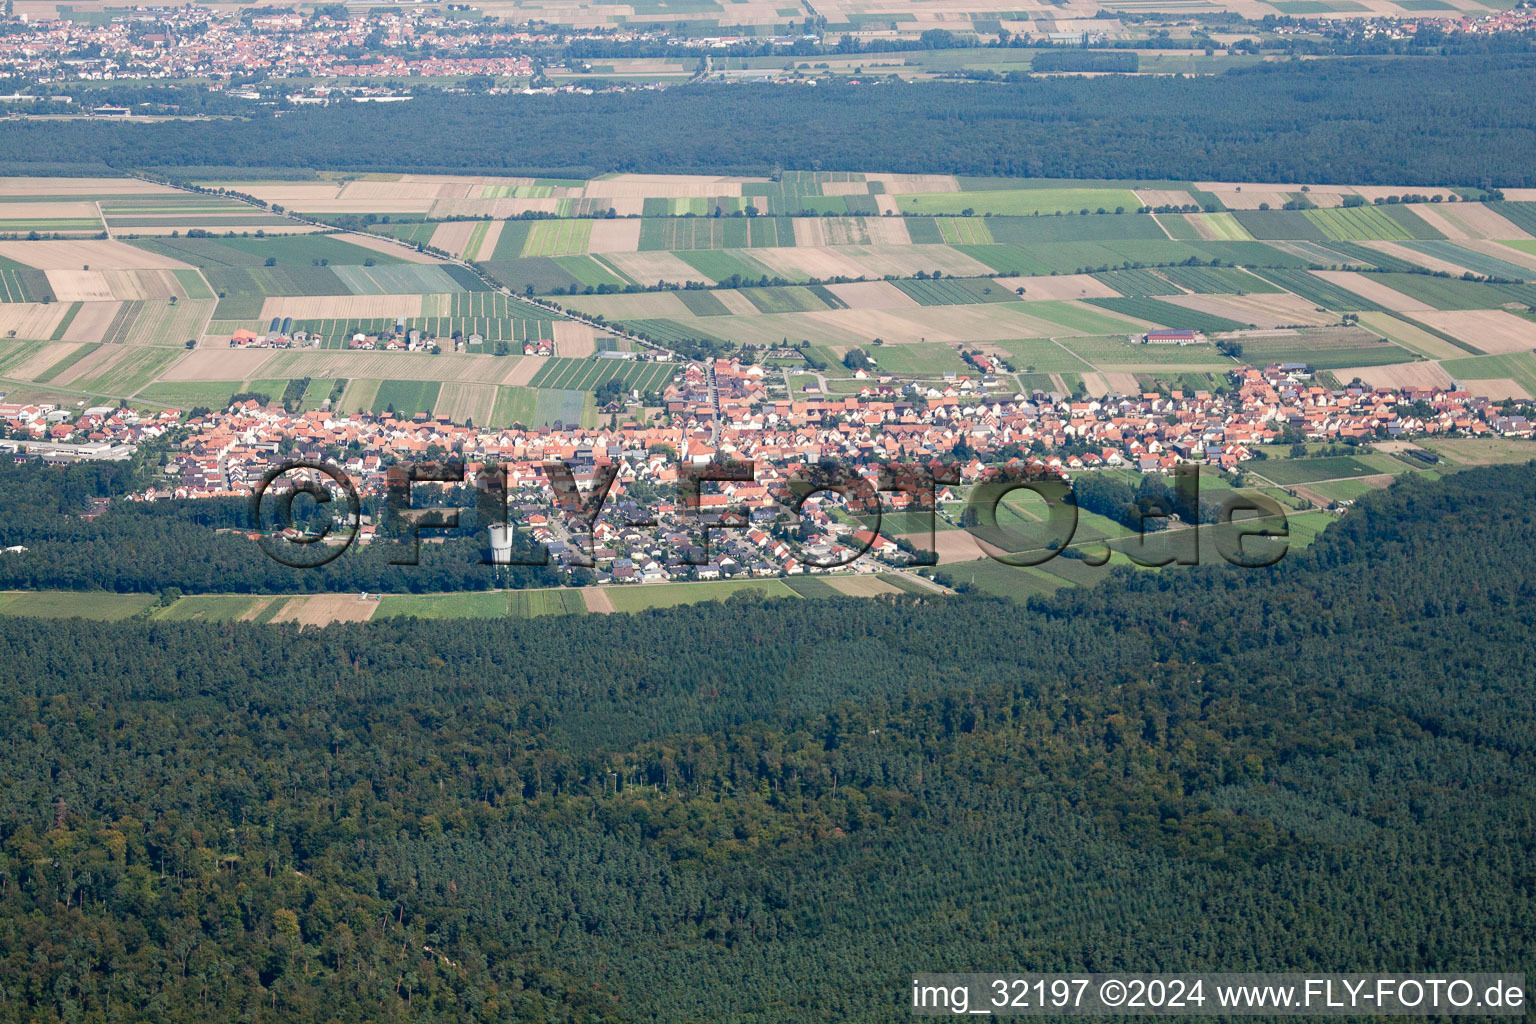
[874, 261]
[1463, 221]
[330, 364]
[496, 209]
[218, 364]
[522, 371]
[740, 305]
[948, 545]
[324, 609]
[29, 321]
[862, 586]
[639, 306]
[645, 186]
[41, 360]
[97, 254]
[905, 184]
[399, 250]
[343, 307]
[651, 267]
[80, 286]
[573, 340]
[51, 211]
[92, 365]
[130, 285]
[597, 600]
[488, 242]
[463, 402]
[979, 322]
[615, 236]
[91, 323]
[1249, 197]
[453, 236]
[816, 232]
[1497, 388]
[86, 188]
[1410, 337]
[161, 323]
[1363, 286]
[844, 188]
[409, 188]
[1398, 375]
[863, 295]
[1062, 286]
[887, 231]
[1265, 311]
[1508, 253]
[1095, 384]
[1155, 197]
[214, 227]
[1121, 383]
[1402, 252]
[1489, 330]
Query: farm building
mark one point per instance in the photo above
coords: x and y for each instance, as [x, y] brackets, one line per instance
[1170, 337]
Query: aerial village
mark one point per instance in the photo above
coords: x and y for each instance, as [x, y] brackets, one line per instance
[727, 411]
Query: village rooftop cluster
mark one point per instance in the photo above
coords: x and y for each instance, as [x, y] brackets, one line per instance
[727, 411]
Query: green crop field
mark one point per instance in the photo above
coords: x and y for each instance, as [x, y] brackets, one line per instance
[128, 373]
[1217, 280]
[57, 604]
[1041, 356]
[208, 608]
[1020, 202]
[684, 233]
[964, 230]
[1324, 293]
[406, 397]
[495, 604]
[1455, 293]
[558, 238]
[1473, 260]
[926, 360]
[1365, 223]
[1077, 318]
[1323, 352]
[1137, 283]
[955, 291]
[1289, 472]
[65, 363]
[587, 374]
[288, 250]
[702, 303]
[723, 265]
[1179, 226]
[1169, 315]
[1112, 352]
[1519, 367]
[190, 395]
[784, 300]
[642, 597]
[1280, 225]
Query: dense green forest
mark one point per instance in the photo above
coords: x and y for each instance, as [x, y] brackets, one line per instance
[774, 811]
[199, 547]
[1402, 121]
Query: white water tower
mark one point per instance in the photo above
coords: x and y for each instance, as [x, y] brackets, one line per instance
[501, 544]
